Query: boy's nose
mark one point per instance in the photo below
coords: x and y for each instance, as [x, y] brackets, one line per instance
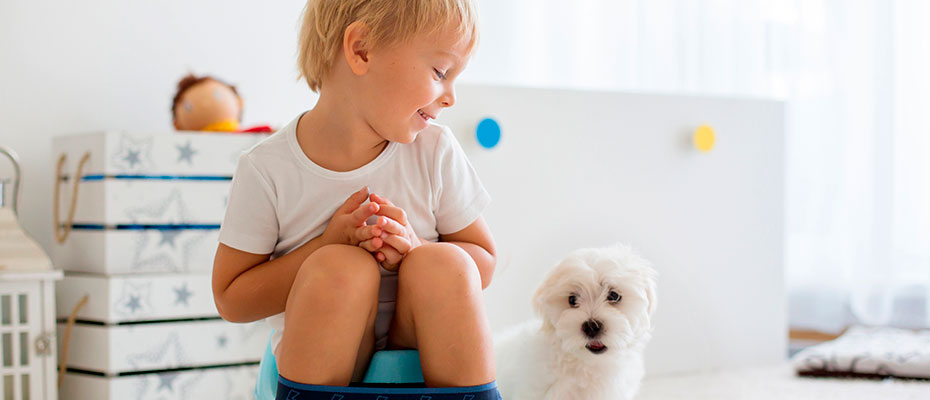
[448, 99]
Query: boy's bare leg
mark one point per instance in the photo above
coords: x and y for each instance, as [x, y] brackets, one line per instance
[330, 317]
[440, 311]
[366, 350]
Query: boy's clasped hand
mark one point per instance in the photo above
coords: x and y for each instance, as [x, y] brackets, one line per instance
[388, 240]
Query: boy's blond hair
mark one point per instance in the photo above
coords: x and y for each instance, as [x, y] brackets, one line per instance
[389, 22]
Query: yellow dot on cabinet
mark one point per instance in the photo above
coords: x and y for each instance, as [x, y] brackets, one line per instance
[704, 138]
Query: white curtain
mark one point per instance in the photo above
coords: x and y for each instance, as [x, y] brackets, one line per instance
[855, 75]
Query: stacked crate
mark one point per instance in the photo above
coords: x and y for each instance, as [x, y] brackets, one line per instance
[141, 244]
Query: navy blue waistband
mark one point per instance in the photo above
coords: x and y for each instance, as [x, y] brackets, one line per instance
[374, 390]
[157, 227]
[153, 177]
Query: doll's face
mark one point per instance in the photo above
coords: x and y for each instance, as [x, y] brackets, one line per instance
[208, 103]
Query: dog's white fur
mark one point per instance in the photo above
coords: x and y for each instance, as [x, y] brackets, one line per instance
[549, 358]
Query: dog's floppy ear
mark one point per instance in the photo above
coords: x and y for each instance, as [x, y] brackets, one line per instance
[650, 278]
[542, 296]
[647, 272]
[539, 304]
[539, 298]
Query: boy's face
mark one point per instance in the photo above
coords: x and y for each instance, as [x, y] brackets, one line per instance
[410, 83]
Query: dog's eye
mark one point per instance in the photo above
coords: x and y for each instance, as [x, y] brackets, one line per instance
[573, 301]
[614, 297]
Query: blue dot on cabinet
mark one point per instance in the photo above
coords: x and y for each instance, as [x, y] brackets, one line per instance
[488, 133]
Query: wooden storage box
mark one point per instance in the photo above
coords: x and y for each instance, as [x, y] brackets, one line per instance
[182, 154]
[126, 251]
[150, 201]
[234, 383]
[118, 349]
[133, 298]
[145, 202]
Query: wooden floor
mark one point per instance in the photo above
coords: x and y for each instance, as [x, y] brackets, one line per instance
[813, 336]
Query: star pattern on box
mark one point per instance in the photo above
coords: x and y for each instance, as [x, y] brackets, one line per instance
[186, 153]
[166, 381]
[167, 209]
[133, 304]
[168, 237]
[171, 385]
[182, 294]
[166, 249]
[167, 354]
[134, 300]
[154, 253]
[133, 154]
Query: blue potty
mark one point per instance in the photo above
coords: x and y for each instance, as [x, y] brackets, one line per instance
[387, 367]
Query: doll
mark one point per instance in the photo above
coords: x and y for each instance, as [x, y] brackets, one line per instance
[205, 103]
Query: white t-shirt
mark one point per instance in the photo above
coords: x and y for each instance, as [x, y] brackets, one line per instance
[279, 199]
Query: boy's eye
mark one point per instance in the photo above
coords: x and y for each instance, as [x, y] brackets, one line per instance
[440, 75]
[613, 297]
[573, 301]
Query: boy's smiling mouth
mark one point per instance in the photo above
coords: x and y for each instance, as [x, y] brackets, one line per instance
[425, 116]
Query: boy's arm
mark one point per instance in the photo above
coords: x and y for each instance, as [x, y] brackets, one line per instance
[247, 287]
[476, 240]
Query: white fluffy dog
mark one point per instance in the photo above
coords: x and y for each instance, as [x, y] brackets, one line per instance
[596, 307]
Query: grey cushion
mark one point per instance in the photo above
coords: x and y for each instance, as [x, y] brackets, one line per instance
[872, 352]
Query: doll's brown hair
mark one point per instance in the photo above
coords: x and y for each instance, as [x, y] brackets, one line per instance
[192, 80]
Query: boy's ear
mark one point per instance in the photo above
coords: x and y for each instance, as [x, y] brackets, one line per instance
[355, 47]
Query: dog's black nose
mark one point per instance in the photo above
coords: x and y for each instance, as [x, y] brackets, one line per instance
[591, 327]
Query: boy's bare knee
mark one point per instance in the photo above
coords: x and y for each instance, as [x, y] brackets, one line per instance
[439, 252]
[439, 264]
[339, 269]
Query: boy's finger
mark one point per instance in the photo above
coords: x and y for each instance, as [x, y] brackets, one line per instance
[371, 245]
[399, 243]
[393, 212]
[391, 256]
[367, 232]
[363, 212]
[380, 200]
[390, 226]
[354, 200]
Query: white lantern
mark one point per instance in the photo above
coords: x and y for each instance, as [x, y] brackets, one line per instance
[27, 305]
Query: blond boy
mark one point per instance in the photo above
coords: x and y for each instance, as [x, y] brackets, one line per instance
[398, 264]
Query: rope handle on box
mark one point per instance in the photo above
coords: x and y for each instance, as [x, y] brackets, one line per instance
[67, 339]
[62, 231]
